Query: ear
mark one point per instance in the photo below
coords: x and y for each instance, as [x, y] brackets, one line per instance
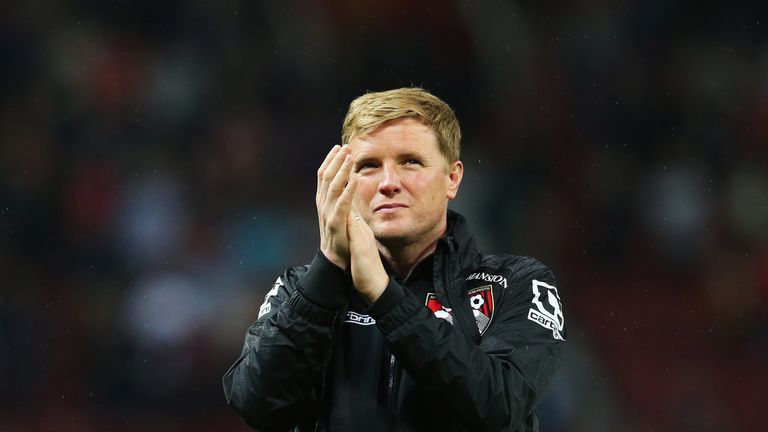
[455, 174]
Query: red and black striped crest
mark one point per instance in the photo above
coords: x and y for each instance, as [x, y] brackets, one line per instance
[440, 311]
[481, 301]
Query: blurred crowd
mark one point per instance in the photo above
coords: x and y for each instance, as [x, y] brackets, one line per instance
[157, 164]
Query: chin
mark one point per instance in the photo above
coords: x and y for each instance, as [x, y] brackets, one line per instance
[391, 232]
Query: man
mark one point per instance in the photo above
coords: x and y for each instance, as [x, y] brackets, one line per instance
[399, 322]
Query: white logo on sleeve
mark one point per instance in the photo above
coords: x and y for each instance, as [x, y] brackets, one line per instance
[549, 310]
[267, 306]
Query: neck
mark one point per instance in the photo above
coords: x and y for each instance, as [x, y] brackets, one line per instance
[403, 258]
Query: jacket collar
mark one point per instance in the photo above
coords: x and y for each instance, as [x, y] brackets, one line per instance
[460, 250]
[460, 241]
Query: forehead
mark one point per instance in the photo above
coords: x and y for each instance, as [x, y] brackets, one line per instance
[399, 135]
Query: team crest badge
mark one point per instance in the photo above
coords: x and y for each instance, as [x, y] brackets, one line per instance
[481, 300]
[438, 309]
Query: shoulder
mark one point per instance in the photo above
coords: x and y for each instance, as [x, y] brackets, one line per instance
[516, 270]
[288, 279]
[533, 291]
[282, 289]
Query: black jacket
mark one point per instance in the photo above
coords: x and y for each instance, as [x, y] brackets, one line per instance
[470, 344]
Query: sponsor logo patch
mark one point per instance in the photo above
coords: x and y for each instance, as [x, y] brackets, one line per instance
[438, 309]
[499, 279]
[359, 319]
[481, 301]
[549, 311]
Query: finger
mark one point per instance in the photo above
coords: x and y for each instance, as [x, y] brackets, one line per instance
[337, 186]
[326, 161]
[344, 203]
[330, 174]
[323, 168]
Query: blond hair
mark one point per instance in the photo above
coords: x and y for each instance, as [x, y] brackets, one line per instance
[371, 110]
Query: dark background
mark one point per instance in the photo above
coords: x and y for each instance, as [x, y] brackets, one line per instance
[157, 163]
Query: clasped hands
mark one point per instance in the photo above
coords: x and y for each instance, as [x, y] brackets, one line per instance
[345, 238]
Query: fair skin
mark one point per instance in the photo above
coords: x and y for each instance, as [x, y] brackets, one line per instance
[384, 197]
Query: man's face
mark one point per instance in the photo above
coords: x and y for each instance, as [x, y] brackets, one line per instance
[404, 182]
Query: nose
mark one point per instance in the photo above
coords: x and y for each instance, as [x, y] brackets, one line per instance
[390, 182]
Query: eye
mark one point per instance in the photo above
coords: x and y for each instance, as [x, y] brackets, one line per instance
[364, 166]
[412, 161]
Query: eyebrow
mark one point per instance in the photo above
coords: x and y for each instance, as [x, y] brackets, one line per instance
[400, 156]
[411, 155]
[404, 155]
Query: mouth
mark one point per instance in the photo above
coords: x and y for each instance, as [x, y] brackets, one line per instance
[388, 208]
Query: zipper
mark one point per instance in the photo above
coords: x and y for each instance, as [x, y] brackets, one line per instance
[392, 361]
[390, 391]
[410, 272]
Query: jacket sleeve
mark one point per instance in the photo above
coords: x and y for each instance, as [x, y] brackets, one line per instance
[272, 383]
[493, 386]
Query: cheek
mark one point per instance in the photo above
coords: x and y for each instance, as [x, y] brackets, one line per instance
[418, 183]
[428, 186]
[366, 189]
